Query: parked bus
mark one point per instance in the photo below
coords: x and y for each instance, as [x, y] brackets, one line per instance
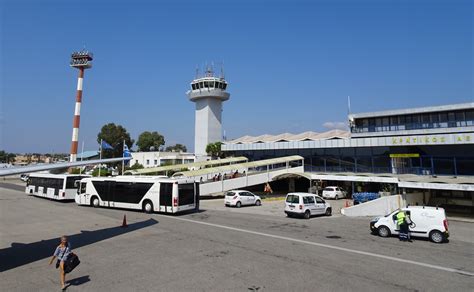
[53, 186]
[149, 194]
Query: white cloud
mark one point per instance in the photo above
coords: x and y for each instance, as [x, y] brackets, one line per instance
[335, 125]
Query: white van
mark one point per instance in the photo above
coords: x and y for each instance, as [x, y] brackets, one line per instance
[305, 205]
[428, 222]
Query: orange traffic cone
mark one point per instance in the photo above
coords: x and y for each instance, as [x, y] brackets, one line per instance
[346, 204]
[124, 222]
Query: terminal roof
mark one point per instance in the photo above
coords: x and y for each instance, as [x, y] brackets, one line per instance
[418, 110]
[287, 137]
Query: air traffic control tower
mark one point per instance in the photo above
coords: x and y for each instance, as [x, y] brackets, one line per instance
[208, 92]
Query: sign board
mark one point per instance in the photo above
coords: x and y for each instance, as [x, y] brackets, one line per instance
[405, 155]
[466, 138]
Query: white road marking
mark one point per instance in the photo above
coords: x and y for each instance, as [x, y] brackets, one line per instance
[354, 251]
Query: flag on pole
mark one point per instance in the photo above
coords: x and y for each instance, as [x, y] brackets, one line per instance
[126, 153]
[106, 145]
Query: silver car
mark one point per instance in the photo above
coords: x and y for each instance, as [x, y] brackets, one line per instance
[240, 198]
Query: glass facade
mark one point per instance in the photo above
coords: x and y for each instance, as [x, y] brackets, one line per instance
[431, 160]
[434, 120]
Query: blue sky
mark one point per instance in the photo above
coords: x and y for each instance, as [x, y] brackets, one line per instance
[290, 64]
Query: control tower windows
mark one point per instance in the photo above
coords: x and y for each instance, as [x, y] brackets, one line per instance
[224, 86]
[193, 86]
[206, 85]
[201, 85]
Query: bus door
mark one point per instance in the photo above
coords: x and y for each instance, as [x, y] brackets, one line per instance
[110, 197]
[196, 198]
[166, 197]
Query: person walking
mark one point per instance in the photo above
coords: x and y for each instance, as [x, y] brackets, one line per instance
[408, 222]
[61, 253]
[267, 189]
[402, 226]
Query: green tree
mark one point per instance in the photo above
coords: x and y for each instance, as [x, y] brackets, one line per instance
[214, 149]
[176, 148]
[3, 156]
[149, 141]
[103, 172]
[114, 135]
[136, 166]
[6, 157]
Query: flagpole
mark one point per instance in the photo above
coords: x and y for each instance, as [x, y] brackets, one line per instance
[123, 155]
[100, 156]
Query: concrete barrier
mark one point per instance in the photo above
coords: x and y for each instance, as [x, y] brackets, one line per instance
[378, 207]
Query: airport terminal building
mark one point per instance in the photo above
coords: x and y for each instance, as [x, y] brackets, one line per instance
[427, 150]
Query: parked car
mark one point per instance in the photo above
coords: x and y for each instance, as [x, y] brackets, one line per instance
[428, 222]
[333, 193]
[305, 205]
[240, 198]
[24, 177]
[364, 197]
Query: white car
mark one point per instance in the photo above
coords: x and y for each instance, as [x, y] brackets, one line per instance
[240, 198]
[428, 222]
[333, 193]
[305, 205]
[24, 177]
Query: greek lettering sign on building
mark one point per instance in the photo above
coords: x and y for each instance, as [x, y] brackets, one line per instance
[465, 138]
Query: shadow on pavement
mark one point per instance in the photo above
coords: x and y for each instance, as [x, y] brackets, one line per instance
[11, 186]
[78, 281]
[20, 254]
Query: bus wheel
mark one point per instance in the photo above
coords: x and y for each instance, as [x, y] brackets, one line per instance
[148, 207]
[95, 202]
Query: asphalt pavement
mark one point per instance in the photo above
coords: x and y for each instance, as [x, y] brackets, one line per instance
[220, 249]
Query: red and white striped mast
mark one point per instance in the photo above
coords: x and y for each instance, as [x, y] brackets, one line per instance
[80, 60]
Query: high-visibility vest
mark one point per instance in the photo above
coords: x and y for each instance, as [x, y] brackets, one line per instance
[400, 218]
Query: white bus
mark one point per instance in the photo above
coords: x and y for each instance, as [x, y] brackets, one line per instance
[149, 194]
[53, 186]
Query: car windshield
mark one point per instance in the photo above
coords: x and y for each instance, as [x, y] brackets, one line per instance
[328, 189]
[230, 194]
[389, 214]
[292, 199]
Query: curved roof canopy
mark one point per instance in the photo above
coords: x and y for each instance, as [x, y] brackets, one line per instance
[239, 166]
[208, 163]
[287, 137]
